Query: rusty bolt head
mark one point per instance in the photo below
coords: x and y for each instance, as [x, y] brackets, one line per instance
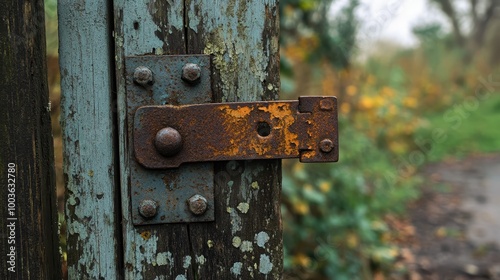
[168, 142]
[326, 145]
[143, 76]
[148, 208]
[191, 73]
[197, 204]
[326, 105]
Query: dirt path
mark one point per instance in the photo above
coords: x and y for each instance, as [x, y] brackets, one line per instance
[457, 221]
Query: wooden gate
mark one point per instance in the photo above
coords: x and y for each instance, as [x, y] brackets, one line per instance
[245, 240]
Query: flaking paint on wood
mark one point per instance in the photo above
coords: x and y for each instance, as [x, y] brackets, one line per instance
[242, 37]
[147, 27]
[92, 214]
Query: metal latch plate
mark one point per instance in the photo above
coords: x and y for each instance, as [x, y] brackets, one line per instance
[306, 129]
[169, 189]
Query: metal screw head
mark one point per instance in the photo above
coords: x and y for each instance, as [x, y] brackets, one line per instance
[326, 105]
[326, 145]
[191, 73]
[143, 76]
[148, 208]
[197, 204]
[168, 142]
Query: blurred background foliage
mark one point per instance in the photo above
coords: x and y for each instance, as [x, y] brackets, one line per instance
[399, 108]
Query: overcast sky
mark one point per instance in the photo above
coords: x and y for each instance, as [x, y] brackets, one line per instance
[392, 19]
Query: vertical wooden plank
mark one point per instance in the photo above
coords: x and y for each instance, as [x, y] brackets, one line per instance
[92, 210]
[245, 242]
[142, 28]
[29, 241]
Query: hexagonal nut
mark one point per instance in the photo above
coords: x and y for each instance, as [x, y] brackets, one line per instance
[326, 145]
[197, 204]
[143, 76]
[326, 105]
[191, 73]
[148, 208]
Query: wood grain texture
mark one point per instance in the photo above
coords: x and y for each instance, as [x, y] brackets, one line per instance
[151, 27]
[245, 241]
[242, 37]
[87, 119]
[26, 139]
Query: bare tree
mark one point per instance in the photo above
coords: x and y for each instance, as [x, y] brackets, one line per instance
[481, 14]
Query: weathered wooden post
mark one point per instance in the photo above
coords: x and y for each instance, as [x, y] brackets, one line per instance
[245, 240]
[29, 241]
[90, 140]
[204, 218]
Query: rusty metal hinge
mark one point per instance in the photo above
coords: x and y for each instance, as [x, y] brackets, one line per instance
[175, 133]
[168, 136]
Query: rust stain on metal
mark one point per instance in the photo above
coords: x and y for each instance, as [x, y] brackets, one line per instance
[169, 188]
[284, 114]
[240, 131]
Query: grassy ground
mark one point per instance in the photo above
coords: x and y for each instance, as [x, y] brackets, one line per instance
[464, 129]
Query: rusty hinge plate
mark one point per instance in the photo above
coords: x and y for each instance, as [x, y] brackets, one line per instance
[161, 196]
[168, 136]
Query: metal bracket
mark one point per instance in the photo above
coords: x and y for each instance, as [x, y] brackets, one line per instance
[174, 143]
[168, 196]
[168, 136]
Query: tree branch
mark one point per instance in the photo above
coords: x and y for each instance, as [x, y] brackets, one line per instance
[449, 11]
[482, 24]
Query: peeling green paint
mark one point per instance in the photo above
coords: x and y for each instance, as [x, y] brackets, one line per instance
[243, 207]
[88, 129]
[235, 36]
[236, 224]
[265, 264]
[186, 262]
[240, 60]
[246, 246]
[236, 268]
[261, 239]
[236, 242]
[164, 258]
[201, 260]
[250, 269]
[71, 200]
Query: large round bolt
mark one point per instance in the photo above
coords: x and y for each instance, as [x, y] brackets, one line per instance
[148, 208]
[143, 76]
[326, 145]
[168, 142]
[197, 204]
[191, 73]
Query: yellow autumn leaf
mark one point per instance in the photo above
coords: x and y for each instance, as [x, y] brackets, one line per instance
[410, 102]
[351, 90]
[345, 108]
[301, 260]
[352, 240]
[366, 103]
[325, 186]
[301, 208]
[387, 92]
[308, 187]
